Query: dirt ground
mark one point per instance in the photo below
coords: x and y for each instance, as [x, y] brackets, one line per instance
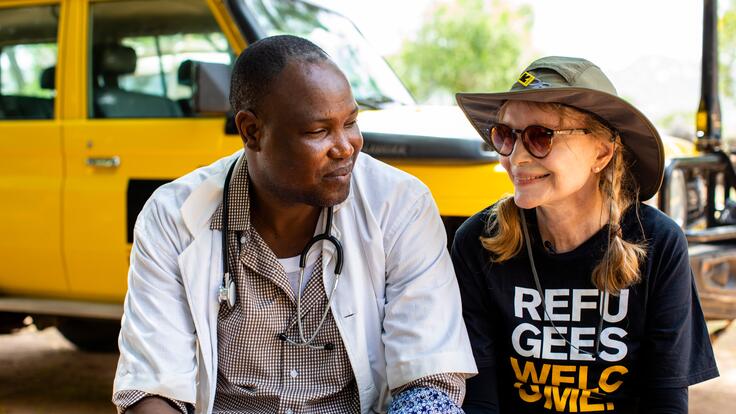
[718, 395]
[40, 372]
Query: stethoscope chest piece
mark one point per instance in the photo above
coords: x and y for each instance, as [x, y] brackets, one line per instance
[227, 291]
[231, 294]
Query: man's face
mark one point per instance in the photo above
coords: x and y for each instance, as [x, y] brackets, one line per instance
[303, 141]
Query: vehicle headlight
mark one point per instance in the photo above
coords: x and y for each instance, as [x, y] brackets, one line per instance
[676, 202]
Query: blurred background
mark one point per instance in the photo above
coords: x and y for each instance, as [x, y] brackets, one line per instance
[650, 49]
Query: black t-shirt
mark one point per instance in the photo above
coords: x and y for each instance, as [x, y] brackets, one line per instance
[654, 335]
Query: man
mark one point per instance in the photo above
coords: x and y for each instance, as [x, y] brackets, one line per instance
[275, 338]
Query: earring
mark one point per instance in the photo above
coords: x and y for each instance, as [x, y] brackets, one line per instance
[596, 169]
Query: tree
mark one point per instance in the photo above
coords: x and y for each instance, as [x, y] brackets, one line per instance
[727, 50]
[464, 45]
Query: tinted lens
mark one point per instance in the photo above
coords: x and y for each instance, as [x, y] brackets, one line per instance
[502, 139]
[538, 140]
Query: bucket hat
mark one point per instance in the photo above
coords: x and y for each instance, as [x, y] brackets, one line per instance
[578, 83]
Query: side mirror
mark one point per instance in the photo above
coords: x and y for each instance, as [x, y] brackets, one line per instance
[210, 88]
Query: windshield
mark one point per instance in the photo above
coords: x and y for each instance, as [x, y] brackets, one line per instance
[372, 80]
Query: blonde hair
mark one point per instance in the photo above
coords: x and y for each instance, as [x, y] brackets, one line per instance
[619, 267]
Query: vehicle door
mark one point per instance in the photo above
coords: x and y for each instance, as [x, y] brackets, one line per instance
[136, 129]
[30, 150]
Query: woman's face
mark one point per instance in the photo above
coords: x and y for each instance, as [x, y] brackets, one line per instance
[567, 176]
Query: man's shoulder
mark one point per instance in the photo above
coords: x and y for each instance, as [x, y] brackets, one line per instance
[376, 178]
[181, 188]
[168, 200]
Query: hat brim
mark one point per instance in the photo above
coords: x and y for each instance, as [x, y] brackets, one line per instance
[637, 133]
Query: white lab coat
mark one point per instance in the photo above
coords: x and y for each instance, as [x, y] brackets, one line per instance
[397, 305]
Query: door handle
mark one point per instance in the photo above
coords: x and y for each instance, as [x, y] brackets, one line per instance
[104, 162]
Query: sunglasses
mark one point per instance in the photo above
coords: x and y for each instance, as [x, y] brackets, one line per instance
[536, 139]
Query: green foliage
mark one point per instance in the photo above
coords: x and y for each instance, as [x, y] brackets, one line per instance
[464, 45]
[678, 124]
[727, 50]
[21, 67]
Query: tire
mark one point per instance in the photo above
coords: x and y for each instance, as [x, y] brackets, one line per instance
[11, 321]
[93, 335]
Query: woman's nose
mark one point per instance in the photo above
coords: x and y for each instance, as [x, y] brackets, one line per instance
[519, 155]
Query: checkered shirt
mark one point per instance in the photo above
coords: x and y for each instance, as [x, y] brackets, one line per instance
[274, 376]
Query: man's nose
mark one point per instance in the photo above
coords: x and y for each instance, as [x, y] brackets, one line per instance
[345, 145]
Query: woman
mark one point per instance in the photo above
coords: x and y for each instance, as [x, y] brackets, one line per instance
[577, 297]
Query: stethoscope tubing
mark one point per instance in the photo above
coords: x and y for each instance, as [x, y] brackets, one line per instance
[227, 290]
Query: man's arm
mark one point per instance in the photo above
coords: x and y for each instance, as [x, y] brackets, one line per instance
[132, 402]
[424, 334]
[157, 336]
[451, 384]
[435, 393]
[153, 405]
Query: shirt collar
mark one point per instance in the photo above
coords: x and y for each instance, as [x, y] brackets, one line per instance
[238, 201]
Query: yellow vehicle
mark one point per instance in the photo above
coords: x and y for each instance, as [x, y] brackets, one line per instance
[101, 102]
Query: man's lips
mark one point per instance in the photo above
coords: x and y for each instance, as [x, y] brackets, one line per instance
[340, 172]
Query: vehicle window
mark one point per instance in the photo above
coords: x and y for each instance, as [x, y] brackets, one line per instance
[141, 55]
[28, 62]
[372, 80]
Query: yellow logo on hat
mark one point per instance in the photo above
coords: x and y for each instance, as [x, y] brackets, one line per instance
[526, 78]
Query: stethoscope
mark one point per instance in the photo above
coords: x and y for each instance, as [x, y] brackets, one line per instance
[227, 289]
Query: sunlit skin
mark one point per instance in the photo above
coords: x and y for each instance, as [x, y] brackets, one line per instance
[152, 405]
[301, 144]
[563, 187]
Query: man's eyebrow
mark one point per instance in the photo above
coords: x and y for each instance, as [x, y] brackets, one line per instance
[355, 110]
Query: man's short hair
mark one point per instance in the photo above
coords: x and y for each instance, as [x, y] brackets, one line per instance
[261, 62]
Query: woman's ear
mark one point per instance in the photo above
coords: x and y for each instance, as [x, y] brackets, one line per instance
[250, 129]
[605, 152]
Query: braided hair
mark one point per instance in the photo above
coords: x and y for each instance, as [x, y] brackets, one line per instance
[620, 265]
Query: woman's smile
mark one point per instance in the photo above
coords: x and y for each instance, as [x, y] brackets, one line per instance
[527, 179]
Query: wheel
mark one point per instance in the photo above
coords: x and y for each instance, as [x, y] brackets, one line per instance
[11, 321]
[94, 335]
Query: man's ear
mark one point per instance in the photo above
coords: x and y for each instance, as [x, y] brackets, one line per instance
[250, 129]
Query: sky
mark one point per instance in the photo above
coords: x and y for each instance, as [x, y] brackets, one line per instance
[616, 34]
[607, 30]
[650, 49]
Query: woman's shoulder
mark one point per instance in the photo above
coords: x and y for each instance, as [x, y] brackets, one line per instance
[654, 219]
[658, 227]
